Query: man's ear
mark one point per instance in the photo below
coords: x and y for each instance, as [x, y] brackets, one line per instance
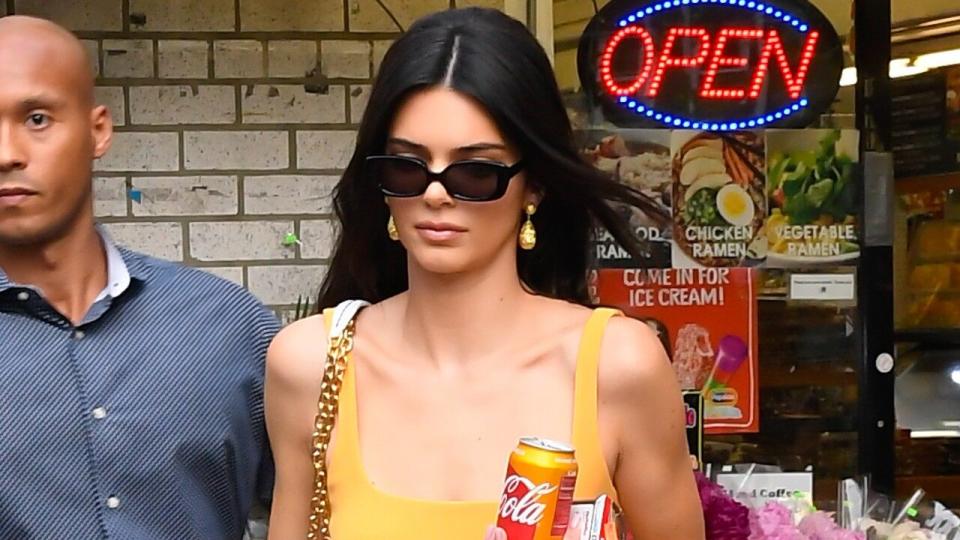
[101, 128]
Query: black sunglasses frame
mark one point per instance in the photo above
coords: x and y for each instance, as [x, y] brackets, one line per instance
[504, 174]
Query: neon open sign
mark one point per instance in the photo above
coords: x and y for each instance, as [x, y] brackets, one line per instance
[711, 64]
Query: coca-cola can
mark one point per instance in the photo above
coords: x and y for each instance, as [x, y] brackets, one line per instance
[538, 491]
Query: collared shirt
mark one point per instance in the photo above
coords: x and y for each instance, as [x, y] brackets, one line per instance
[143, 422]
[118, 276]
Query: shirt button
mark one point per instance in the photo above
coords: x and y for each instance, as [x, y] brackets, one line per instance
[99, 413]
[23, 296]
[113, 502]
[78, 334]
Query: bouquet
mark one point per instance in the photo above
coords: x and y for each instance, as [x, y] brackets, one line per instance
[794, 519]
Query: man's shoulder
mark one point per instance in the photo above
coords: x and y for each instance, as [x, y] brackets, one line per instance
[195, 284]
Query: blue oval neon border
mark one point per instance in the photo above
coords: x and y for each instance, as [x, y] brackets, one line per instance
[774, 12]
[676, 121]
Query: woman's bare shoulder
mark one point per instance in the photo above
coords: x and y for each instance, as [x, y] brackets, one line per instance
[297, 354]
[632, 359]
[300, 349]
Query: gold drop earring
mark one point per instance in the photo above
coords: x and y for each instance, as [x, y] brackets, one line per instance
[392, 230]
[528, 233]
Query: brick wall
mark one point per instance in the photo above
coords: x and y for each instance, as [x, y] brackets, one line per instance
[234, 120]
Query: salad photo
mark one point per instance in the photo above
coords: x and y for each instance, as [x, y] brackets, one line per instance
[813, 189]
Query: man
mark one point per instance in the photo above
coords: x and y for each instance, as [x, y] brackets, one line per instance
[130, 388]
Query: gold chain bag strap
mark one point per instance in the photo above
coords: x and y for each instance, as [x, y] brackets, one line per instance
[341, 343]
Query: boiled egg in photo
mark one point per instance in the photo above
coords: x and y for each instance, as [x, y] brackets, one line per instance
[735, 205]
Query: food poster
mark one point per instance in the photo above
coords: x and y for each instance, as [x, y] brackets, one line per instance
[639, 158]
[813, 185]
[706, 319]
[719, 199]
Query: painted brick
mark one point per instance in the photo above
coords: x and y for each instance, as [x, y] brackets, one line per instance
[345, 59]
[182, 59]
[318, 237]
[229, 273]
[161, 240]
[112, 97]
[408, 11]
[132, 151]
[291, 58]
[281, 285]
[307, 16]
[272, 104]
[379, 51]
[92, 47]
[495, 4]
[186, 195]
[359, 96]
[127, 58]
[240, 241]
[168, 105]
[287, 316]
[185, 15]
[257, 150]
[368, 16]
[82, 15]
[288, 194]
[325, 149]
[234, 58]
[109, 196]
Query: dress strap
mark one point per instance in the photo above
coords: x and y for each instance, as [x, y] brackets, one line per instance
[345, 449]
[586, 430]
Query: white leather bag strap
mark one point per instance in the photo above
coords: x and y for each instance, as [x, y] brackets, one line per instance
[343, 314]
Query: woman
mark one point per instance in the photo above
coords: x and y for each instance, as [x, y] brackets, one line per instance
[478, 333]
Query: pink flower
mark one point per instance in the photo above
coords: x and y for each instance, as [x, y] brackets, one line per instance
[725, 518]
[820, 526]
[774, 521]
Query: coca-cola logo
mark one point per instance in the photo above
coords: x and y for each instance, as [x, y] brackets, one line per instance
[520, 502]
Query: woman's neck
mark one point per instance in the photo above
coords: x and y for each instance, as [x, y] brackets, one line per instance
[451, 320]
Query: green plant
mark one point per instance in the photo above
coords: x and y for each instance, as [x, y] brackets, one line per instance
[303, 309]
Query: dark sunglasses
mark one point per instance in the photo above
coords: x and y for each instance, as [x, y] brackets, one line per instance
[472, 180]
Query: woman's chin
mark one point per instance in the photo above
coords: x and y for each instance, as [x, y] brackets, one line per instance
[445, 261]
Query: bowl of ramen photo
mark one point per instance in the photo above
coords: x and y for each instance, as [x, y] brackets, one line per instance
[719, 198]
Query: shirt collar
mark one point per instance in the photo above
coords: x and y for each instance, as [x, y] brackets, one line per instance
[118, 275]
[4, 281]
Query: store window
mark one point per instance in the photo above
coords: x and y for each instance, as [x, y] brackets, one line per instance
[761, 316]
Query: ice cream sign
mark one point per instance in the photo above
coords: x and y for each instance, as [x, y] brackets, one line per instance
[715, 65]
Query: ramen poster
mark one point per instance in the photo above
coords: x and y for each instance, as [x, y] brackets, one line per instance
[706, 320]
[719, 199]
[773, 198]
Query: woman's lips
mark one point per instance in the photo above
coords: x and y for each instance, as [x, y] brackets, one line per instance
[439, 232]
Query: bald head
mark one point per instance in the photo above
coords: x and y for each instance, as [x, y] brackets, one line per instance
[50, 132]
[30, 43]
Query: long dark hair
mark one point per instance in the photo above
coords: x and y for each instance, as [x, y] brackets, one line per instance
[494, 59]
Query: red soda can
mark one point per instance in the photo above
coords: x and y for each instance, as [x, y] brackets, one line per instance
[538, 490]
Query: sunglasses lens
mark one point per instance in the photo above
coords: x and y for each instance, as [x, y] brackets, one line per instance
[399, 176]
[475, 181]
